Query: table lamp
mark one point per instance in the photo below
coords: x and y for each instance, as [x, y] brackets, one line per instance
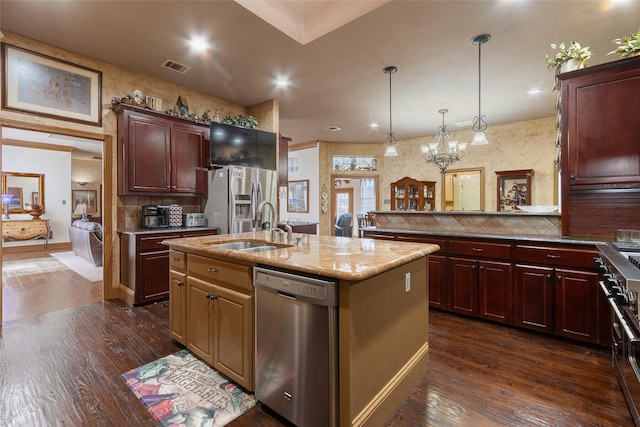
[84, 209]
[6, 201]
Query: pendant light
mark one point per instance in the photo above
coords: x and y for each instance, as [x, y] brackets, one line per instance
[479, 125]
[391, 138]
[443, 152]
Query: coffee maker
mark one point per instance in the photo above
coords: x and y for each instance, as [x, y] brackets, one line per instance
[154, 216]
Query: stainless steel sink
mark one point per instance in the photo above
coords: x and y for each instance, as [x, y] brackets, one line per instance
[259, 249]
[241, 245]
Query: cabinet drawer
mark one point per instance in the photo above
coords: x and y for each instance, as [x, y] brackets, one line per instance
[177, 260]
[565, 257]
[152, 242]
[217, 271]
[480, 249]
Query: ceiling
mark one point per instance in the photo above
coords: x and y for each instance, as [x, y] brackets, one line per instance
[337, 78]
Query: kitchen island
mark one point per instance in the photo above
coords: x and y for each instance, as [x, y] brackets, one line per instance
[382, 320]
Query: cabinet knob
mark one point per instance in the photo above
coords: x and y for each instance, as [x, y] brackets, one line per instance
[211, 270]
[180, 283]
[477, 249]
[572, 177]
[548, 276]
[554, 256]
[481, 267]
[559, 278]
[212, 296]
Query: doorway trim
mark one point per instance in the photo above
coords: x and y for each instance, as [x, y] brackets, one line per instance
[108, 290]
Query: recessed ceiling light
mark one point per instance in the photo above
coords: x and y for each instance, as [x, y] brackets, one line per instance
[534, 91]
[374, 125]
[334, 128]
[282, 82]
[198, 44]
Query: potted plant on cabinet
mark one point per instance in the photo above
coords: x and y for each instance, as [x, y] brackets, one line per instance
[568, 58]
[627, 46]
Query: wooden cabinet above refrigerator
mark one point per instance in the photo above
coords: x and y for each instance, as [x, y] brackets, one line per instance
[160, 154]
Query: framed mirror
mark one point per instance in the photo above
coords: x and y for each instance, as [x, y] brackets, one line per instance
[514, 189]
[463, 190]
[27, 189]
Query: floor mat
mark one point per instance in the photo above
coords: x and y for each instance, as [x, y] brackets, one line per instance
[82, 267]
[181, 389]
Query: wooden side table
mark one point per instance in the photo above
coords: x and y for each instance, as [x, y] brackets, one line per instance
[27, 229]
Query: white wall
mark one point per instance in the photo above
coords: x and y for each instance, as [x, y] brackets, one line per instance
[308, 168]
[56, 167]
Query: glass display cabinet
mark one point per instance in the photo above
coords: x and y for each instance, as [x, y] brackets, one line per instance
[514, 189]
[408, 194]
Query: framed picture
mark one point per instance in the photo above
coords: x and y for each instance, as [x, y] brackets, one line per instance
[84, 202]
[298, 196]
[42, 85]
[16, 202]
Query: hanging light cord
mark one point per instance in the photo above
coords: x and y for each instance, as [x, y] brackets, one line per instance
[479, 124]
[391, 139]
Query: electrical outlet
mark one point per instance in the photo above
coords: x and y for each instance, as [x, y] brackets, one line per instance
[407, 282]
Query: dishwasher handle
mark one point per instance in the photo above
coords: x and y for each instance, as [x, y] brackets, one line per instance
[286, 295]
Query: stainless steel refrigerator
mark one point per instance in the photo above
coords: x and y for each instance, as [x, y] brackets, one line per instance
[235, 192]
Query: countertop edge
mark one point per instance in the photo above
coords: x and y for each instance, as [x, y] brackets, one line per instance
[282, 257]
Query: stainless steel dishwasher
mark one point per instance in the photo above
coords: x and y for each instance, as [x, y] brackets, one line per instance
[296, 371]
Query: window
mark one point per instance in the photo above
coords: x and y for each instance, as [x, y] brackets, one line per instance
[293, 164]
[367, 195]
[354, 163]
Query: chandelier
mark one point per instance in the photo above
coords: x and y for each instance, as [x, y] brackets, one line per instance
[479, 125]
[443, 152]
[391, 138]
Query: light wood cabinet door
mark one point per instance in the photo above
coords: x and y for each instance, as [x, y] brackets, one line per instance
[200, 315]
[178, 306]
[233, 332]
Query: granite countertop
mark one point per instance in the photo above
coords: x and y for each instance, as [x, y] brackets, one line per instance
[338, 257]
[163, 230]
[516, 237]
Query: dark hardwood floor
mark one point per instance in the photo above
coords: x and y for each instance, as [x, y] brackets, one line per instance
[26, 295]
[63, 368]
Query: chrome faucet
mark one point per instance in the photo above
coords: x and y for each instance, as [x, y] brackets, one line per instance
[259, 214]
[289, 233]
[276, 235]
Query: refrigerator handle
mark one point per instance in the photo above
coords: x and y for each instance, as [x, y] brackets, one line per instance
[254, 206]
[259, 199]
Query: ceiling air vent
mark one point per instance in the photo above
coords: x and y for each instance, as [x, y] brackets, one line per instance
[176, 66]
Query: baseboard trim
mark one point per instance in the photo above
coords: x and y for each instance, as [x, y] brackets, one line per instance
[386, 402]
[126, 295]
[65, 246]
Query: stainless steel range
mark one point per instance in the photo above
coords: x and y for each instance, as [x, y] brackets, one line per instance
[620, 270]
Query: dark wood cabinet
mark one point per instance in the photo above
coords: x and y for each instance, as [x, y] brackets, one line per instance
[547, 287]
[561, 294]
[144, 264]
[534, 298]
[479, 285]
[600, 124]
[159, 154]
[408, 194]
[576, 304]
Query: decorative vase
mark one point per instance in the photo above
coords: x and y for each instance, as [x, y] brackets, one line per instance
[571, 65]
[36, 211]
